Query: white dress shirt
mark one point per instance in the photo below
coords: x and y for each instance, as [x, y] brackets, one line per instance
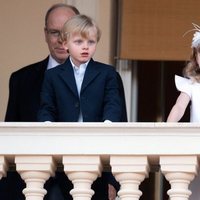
[79, 73]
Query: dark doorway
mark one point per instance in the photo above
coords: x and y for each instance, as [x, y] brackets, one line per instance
[157, 92]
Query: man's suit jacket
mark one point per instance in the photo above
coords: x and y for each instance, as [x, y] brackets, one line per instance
[24, 92]
[99, 97]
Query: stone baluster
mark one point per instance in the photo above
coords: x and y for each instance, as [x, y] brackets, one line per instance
[35, 170]
[130, 171]
[82, 171]
[3, 166]
[179, 171]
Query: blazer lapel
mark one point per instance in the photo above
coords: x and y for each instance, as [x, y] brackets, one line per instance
[90, 74]
[39, 70]
[67, 74]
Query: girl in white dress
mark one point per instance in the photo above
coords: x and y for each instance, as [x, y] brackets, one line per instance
[189, 88]
[189, 85]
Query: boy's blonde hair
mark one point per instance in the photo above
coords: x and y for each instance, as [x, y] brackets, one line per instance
[80, 24]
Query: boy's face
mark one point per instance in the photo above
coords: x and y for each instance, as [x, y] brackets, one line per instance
[82, 49]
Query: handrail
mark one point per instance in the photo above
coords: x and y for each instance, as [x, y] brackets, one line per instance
[84, 149]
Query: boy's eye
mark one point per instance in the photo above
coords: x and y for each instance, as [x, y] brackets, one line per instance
[91, 41]
[78, 41]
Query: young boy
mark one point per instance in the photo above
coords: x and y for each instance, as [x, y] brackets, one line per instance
[81, 89]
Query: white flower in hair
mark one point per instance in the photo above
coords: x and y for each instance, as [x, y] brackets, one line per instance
[196, 39]
[196, 36]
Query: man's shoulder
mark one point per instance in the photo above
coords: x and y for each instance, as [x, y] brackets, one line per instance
[58, 68]
[37, 66]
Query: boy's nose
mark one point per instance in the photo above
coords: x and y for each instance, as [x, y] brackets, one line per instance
[85, 45]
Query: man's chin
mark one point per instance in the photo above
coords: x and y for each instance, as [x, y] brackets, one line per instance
[61, 59]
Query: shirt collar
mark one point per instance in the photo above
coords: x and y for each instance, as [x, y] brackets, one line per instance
[84, 65]
[52, 63]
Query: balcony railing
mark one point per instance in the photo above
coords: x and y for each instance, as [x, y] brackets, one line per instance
[85, 149]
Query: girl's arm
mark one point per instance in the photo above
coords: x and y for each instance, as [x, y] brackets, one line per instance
[178, 109]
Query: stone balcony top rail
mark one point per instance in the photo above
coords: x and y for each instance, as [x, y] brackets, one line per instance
[85, 149]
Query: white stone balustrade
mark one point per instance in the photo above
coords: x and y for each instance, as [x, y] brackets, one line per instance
[35, 170]
[129, 171]
[85, 149]
[179, 171]
[82, 171]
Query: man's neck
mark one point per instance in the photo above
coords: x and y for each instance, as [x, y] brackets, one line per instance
[52, 63]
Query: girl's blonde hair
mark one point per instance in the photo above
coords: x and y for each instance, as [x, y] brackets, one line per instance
[192, 69]
[80, 24]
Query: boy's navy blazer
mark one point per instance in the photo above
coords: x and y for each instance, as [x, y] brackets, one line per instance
[99, 97]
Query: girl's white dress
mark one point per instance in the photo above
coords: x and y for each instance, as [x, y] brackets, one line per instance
[192, 89]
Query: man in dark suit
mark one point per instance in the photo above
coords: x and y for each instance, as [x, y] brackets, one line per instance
[25, 84]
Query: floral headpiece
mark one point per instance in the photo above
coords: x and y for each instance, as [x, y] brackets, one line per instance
[196, 36]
